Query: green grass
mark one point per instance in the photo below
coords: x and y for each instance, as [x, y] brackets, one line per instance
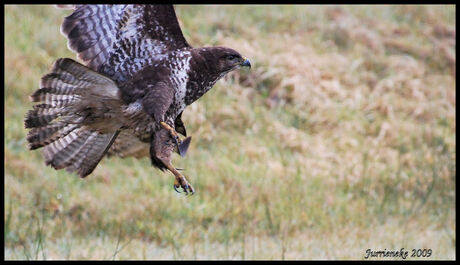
[340, 139]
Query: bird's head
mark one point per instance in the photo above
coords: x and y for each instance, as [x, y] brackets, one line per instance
[224, 59]
[208, 65]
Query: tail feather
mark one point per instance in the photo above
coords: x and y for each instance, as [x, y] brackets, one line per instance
[57, 148]
[84, 162]
[42, 115]
[41, 136]
[79, 159]
[64, 122]
[35, 119]
[84, 78]
[54, 100]
[62, 150]
[60, 82]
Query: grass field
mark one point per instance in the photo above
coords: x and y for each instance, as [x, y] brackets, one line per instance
[340, 139]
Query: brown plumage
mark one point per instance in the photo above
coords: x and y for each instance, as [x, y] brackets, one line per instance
[128, 100]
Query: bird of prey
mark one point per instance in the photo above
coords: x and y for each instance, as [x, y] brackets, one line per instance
[127, 98]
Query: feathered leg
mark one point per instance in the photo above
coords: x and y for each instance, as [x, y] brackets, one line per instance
[161, 149]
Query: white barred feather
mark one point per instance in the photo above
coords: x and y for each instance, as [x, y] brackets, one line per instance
[73, 98]
[117, 40]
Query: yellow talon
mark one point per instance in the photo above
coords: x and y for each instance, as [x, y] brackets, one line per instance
[182, 146]
[171, 130]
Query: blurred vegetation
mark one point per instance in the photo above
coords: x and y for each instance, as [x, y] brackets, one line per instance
[341, 138]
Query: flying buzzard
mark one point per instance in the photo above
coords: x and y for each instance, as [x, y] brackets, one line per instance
[127, 100]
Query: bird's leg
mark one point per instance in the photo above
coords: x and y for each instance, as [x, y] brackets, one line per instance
[180, 180]
[173, 132]
[161, 149]
[182, 146]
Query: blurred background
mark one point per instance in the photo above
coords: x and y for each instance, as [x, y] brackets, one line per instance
[341, 138]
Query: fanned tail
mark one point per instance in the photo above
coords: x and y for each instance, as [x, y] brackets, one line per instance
[75, 123]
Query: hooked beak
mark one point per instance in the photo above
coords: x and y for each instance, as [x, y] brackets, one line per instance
[246, 62]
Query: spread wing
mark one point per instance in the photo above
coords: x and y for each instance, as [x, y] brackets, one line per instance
[117, 40]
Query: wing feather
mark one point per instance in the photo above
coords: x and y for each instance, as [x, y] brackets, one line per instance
[110, 39]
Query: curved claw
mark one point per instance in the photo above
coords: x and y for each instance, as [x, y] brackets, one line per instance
[188, 189]
[175, 188]
[181, 181]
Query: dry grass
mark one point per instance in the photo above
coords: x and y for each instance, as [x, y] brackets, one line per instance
[340, 139]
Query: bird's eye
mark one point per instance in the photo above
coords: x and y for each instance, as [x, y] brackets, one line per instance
[231, 57]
